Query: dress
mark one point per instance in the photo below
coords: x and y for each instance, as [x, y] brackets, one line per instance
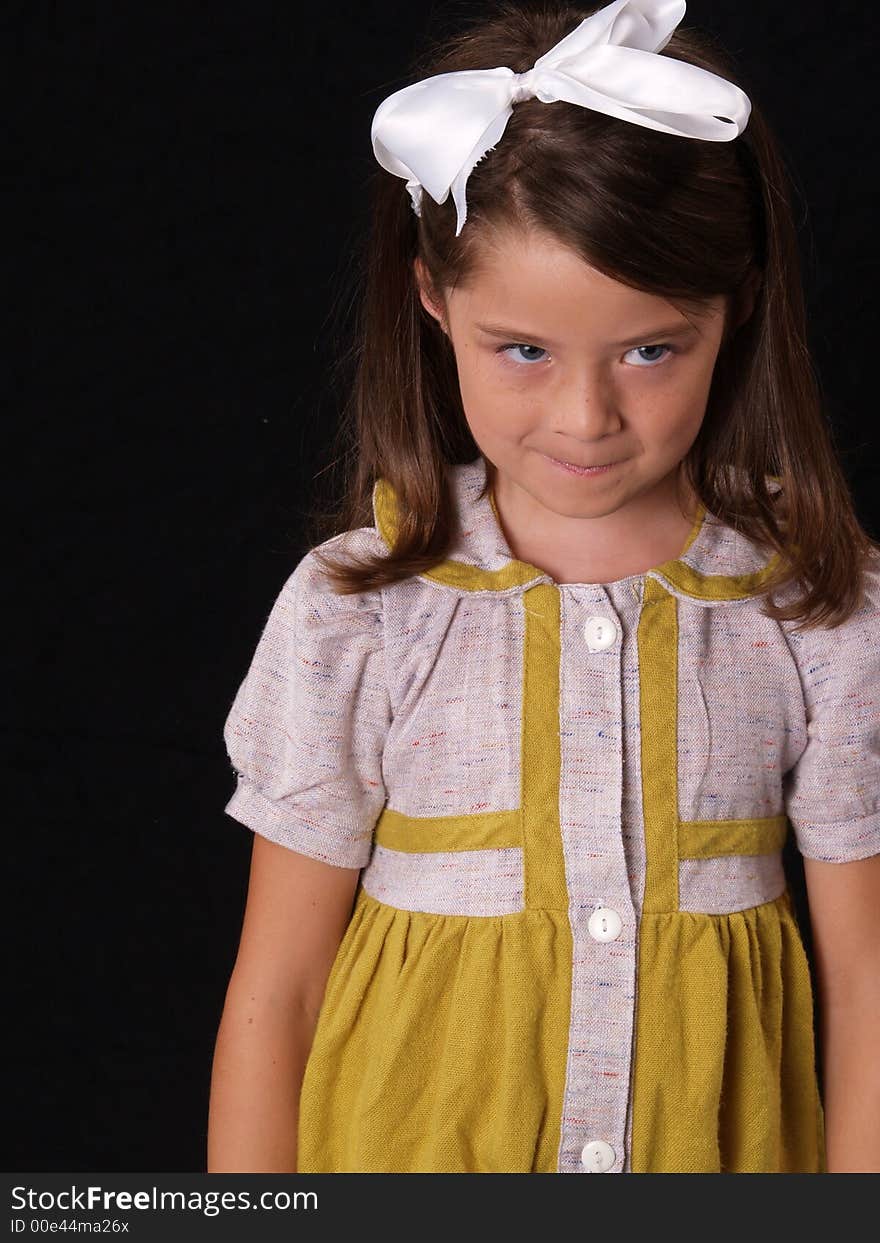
[572, 947]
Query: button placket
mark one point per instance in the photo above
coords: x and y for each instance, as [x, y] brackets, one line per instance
[596, 1098]
[601, 634]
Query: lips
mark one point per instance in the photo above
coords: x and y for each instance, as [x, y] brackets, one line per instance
[583, 465]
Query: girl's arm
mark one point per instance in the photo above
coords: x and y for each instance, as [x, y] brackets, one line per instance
[296, 914]
[844, 901]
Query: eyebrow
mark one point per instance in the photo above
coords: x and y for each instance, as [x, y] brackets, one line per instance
[656, 334]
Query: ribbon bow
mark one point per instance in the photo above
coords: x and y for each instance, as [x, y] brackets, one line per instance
[434, 131]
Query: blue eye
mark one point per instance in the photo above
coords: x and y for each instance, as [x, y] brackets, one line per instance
[648, 363]
[504, 348]
[668, 348]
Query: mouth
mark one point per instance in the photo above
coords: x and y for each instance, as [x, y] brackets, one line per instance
[579, 467]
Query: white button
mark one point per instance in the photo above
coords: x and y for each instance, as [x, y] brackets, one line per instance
[605, 924]
[597, 1156]
[600, 632]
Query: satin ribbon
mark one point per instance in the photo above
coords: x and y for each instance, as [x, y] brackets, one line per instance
[434, 131]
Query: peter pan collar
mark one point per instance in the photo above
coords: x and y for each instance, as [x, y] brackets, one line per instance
[716, 564]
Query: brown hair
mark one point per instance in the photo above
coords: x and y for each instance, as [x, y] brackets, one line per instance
[675, 217]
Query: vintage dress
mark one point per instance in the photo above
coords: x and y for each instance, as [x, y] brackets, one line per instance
[572, 948]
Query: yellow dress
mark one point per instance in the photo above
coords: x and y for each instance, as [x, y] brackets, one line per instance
[572, 947]
[441, 1046]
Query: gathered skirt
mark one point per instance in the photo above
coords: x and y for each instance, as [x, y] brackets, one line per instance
[437, 1047]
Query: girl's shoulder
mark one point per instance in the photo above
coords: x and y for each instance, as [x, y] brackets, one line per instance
[311, 595]
[837, 656]
[871, 583]
[356, 544]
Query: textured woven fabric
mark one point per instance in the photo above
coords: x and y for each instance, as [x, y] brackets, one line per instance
[517, 765]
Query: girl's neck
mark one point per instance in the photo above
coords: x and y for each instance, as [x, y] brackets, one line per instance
[639, 536]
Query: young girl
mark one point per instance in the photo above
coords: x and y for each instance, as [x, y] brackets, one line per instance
[523, 741]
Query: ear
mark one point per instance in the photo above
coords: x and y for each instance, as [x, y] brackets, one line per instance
[428, 298]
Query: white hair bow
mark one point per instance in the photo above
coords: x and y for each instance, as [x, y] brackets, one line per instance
[434, 131]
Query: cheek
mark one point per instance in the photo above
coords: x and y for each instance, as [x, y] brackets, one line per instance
[491, 403]
[683, 405]
[676, 426]
[496, 420]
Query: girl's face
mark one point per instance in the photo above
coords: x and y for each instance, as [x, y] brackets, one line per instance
[556, 360]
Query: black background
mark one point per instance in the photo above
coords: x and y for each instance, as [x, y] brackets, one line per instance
[191, 181]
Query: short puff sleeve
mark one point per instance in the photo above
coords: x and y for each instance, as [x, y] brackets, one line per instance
[307, 728]
[832, 793]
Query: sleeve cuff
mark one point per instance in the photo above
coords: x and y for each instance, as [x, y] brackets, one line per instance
[324, 842]
[841, 842]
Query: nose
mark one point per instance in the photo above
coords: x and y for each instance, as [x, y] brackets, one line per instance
[583, 408]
